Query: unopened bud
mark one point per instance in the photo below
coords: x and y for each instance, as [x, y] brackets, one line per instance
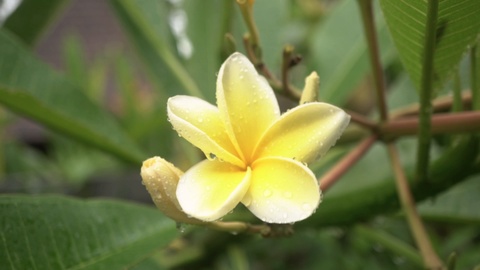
[310, 92]
[161, 177]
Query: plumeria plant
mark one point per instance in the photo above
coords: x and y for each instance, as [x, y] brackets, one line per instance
[238, 104]
[254, 155]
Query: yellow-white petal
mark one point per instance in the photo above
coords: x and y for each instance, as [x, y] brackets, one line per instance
[246, 102]
[199, 123]
[304, 133]
[282, 190]
[211, 189]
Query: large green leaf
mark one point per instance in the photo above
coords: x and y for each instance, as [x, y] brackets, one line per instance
[459, 204]
[341, 54]
[31, 88]
[458, 27]
[55, 232]
[40, 14]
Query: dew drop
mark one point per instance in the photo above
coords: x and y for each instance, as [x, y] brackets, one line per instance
[180, 227]
[212, 156]
[267, 193]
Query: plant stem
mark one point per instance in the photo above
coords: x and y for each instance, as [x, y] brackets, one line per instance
[286, 65]
[247, 12]
[366, 9]
[238, 227]
[424, 132]
[346, 163]
[457, 105]
[430, 258]
[362, 120]
[462, 122]
[440, 104]
[475, 77]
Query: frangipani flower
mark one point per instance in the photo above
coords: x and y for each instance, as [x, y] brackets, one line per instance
[255, 155]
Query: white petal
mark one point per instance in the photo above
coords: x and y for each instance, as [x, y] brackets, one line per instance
[282, 191]
[304, 133]
[199, 123]
[211, 189]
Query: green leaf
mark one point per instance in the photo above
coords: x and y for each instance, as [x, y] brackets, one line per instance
[458, 27]
[55, 232]
[205, 60]
[146, 23]
[368, 188]
[459, 204]
[341, 54]
[40, 14]
[31, 88]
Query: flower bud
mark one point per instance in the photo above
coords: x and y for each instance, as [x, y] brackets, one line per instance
[310, 91]
[161, 177]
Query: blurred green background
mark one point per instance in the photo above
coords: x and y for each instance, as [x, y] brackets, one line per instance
[83, 89]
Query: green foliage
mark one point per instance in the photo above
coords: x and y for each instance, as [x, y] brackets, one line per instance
[30, 30]
[89, 137]
[457, 29]
[30, 87]
[55, 232]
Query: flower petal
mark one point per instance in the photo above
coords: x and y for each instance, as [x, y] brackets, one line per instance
[246, 103]
[211, 189]
[282, 190]
[304, 133]
[199, 123]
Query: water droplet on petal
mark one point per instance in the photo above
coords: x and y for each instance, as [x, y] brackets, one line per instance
[211, 156]
[267, 193]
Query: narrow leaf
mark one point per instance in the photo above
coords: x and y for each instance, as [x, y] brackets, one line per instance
[31, 88]
[55, 232]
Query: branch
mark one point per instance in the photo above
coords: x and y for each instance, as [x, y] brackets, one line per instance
[462, 122]
[346, 163]
[430, 258]
[366, 9]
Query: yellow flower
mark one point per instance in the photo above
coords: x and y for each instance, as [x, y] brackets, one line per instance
[255, 155]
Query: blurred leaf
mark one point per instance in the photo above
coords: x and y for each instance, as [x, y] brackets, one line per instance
[146, 23]
[272, 19]
[458, 27]
[31, 18]
[459, 204]
[55, 232]
[341, 54]
[205, 61]
[368, 188]
[31, 88]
